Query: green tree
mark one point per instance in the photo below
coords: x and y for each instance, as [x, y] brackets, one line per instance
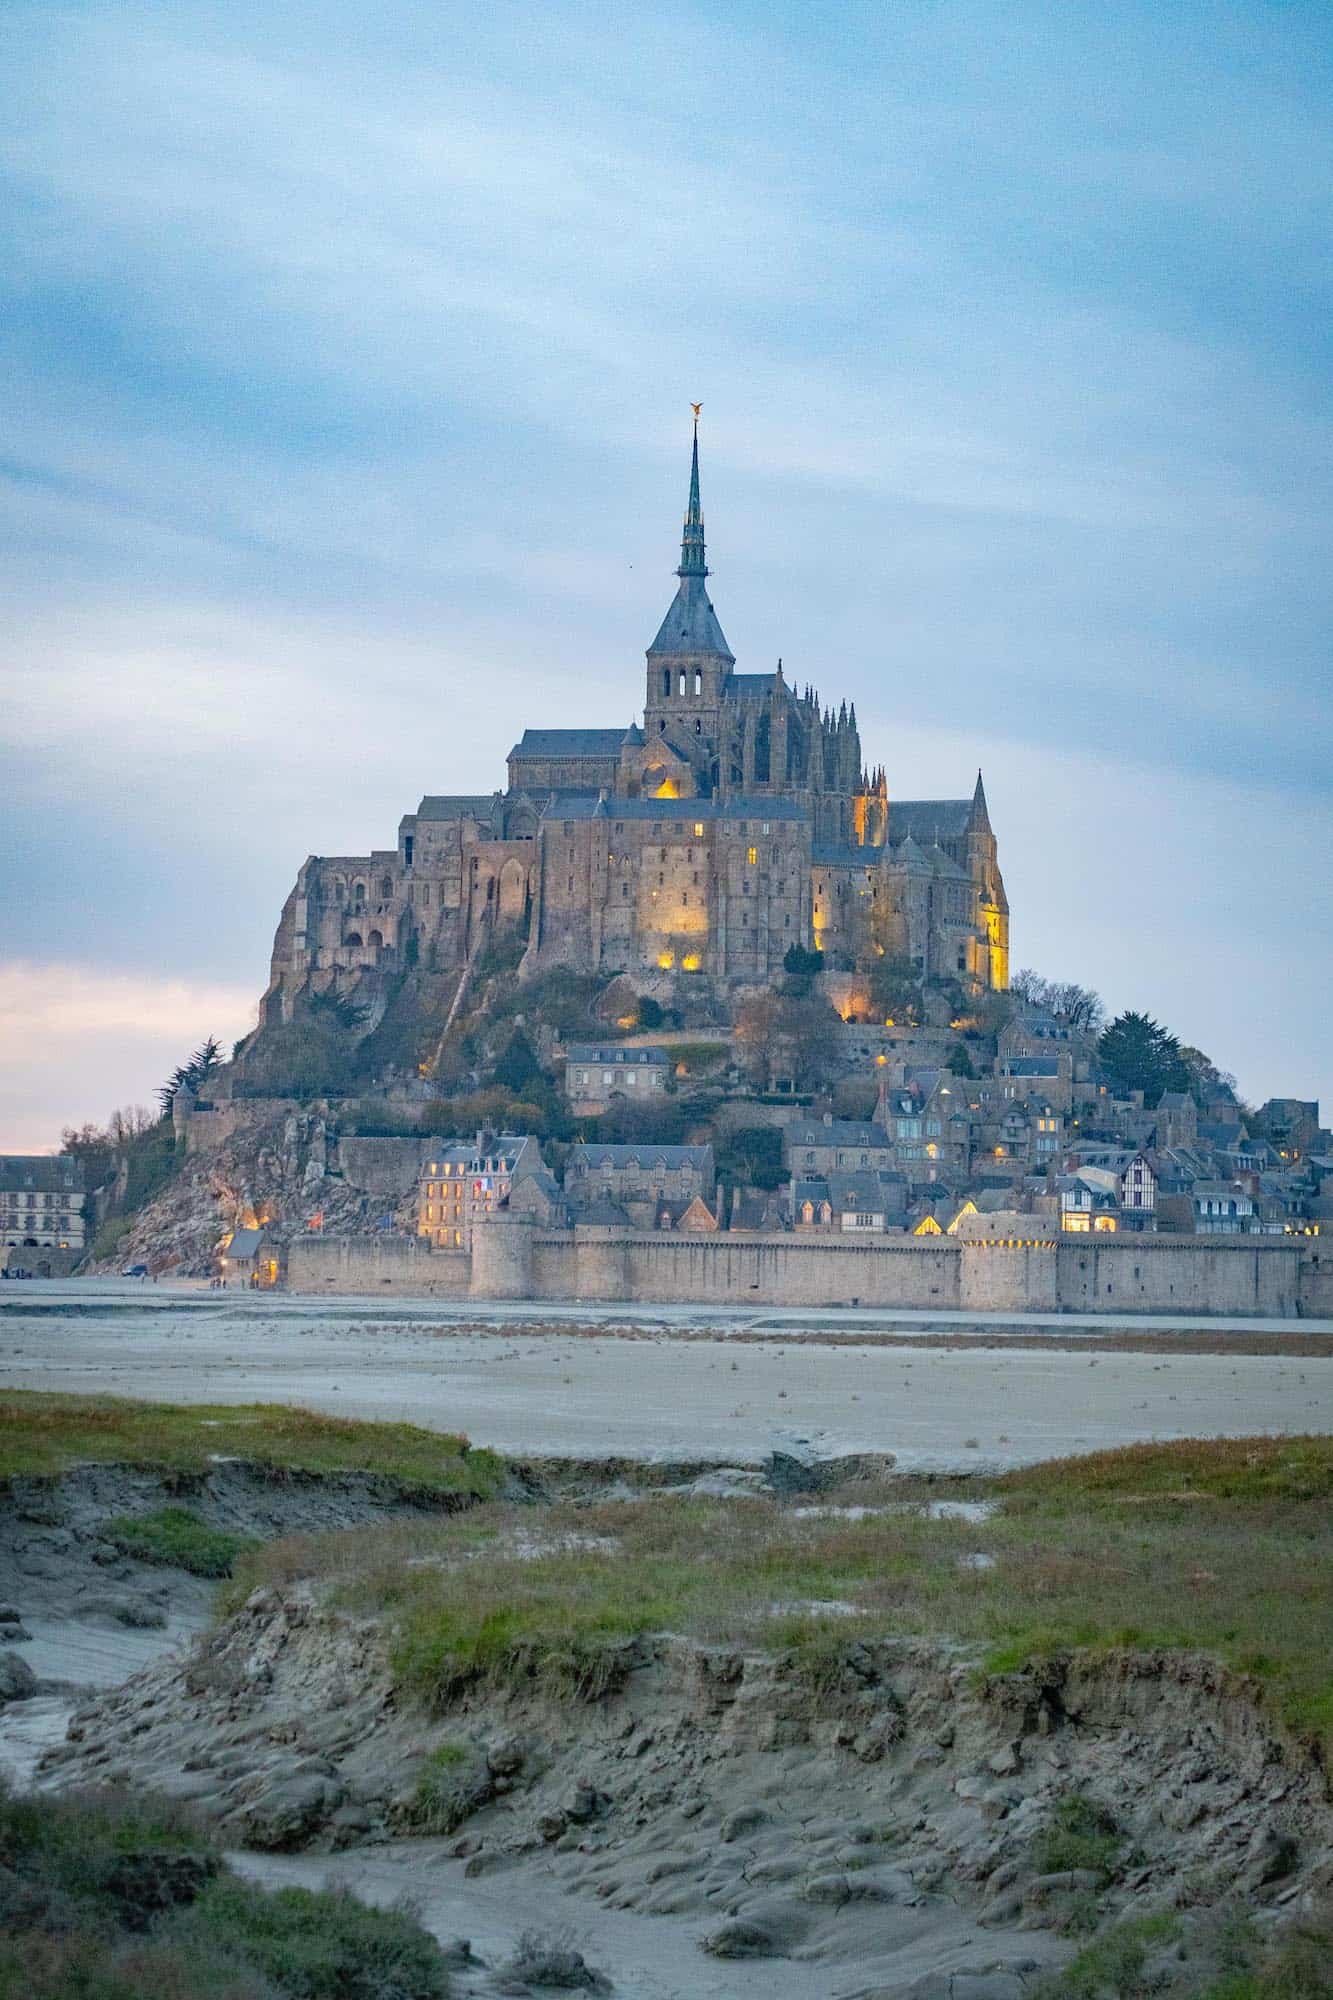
[190, 1075]
[752, 1157]
[895, 991]
[804, 964]
[518, 1065]
[959, 1061]
[1138, 1053]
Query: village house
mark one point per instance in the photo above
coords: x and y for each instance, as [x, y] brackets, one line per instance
[597, 1076]
[461, 1180]
[860, 1200]
[251, 1258]
[640, 1181]
[828, 1145]
[41, 1201]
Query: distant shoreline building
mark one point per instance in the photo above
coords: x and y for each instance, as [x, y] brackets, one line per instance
[41, 1202]
[739, 819]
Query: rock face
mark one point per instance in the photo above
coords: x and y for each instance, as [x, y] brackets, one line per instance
[716, 1787]
[17, 1679]
[280, 1167]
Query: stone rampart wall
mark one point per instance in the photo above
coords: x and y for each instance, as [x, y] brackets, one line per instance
[513, 1259]
[1260, 1277]
[1317, 1282]
[372, 1265]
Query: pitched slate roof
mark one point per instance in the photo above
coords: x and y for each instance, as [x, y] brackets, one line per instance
[585, 1155]
[944, 864]
[924, 818]
[834, 854]
[863, 1188]
[604, 1213]
[595, 1053]
[460, 805]
[573, 805]
[569, 743]
[690, 626]
[588, 805]
[753, 687]
[51, 1173]
[841, 1132]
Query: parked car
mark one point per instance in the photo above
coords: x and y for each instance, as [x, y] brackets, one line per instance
[135, 1271]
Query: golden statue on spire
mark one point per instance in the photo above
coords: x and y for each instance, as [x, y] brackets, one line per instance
[696, 407]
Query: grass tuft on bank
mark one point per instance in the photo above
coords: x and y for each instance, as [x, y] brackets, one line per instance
[42, 1433]
[178, 1539]
[111, 1898]
[1113, 1552]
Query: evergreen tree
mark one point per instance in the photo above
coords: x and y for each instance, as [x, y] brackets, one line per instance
[1137, 1053]
[189, 1075]
[518, 1065]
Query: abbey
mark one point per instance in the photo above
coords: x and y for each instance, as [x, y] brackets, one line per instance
[740, 819]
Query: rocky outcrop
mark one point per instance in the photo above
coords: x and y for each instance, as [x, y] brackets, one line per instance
[280, 1169]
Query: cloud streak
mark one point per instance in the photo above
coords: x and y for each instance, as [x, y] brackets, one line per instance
[78, 1041]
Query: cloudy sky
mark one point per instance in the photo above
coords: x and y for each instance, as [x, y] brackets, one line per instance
[347, 356]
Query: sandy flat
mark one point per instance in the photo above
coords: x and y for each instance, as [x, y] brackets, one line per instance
[668, 1382]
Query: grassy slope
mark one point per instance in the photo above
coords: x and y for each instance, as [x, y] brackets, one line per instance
[45, 1433]
[1224, 1548]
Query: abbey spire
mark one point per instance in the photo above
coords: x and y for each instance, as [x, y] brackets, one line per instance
[692, 540]
[690, 630]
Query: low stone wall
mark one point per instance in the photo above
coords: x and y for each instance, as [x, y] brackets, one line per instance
[373, 1265]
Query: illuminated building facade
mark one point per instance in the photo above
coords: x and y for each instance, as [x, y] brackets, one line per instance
[737, 820]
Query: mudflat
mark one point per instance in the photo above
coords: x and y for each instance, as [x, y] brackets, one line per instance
[684, 1382]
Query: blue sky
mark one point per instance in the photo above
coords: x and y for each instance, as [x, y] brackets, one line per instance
[347, 366]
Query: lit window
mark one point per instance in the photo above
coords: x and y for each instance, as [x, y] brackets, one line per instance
[752, 855]
[698, 829]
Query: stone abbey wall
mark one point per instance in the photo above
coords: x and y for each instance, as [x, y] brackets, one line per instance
[513, 1259]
